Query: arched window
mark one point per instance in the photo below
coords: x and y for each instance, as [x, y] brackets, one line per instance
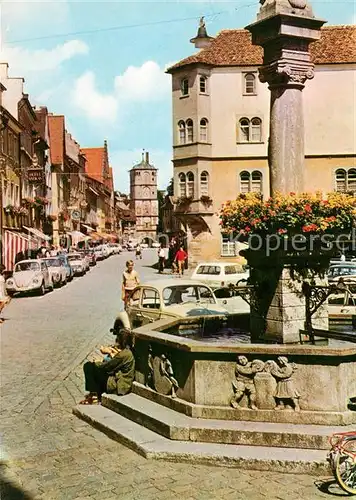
[189, 126]
[181, 130]
[204, 130]
[256, 134]
[184, 86]
[245, 182]
[256, 183]
[351, 180]
[250, 83]
[204, 184]
[182, 185]
[340, 175]
[244, 130]
[190, 184]
[202, 84]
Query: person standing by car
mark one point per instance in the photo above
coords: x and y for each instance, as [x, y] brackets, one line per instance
[130, 280]
[180, 258]
[4, 298]
[161, 259]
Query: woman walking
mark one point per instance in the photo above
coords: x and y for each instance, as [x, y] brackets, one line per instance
[180, 258]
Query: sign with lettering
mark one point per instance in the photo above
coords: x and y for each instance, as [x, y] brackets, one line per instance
[35, 175]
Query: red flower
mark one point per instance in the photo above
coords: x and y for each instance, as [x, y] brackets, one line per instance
[309, 228]
[281, 231]
[308, 208]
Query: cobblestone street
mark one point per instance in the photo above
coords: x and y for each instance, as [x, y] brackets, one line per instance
[47, 453]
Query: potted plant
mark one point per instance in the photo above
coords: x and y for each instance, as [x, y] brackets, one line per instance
[206, 199]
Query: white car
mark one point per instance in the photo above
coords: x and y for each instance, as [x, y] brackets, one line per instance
[106, 250]
[98, 253]
[155, 244]
[115, 248]
[219, 274]
[169, 298]
[77, 264]
[230, 300]
[29, 276]
[57, 271]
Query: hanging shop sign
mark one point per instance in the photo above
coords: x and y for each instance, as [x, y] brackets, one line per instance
[76, 215]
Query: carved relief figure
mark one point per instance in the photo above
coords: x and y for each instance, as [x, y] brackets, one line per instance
[149, 378]
[245, 373]
[286, 393]
[163, 376]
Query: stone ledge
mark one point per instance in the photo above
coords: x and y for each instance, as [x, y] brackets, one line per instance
[175, 426]
[226, 413]
[153, 446]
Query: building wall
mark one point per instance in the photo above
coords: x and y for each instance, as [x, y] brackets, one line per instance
[143, 193]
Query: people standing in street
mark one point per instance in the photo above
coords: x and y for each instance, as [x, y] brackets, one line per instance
[180, 258]
[130, 280]
[4, 298]
[161, 259]
[138, 251]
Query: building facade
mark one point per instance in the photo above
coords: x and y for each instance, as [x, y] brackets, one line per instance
[143, 195]
[221, 128]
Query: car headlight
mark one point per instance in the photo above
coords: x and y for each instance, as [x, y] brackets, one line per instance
[36, 281]
[10, 283]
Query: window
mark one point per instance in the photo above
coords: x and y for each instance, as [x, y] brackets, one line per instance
[231, 270]
[204, 184]
[256, 183]
[209, 270]
[181, 294]
[189, 124]
[256, 130]
[182, 185]
[345, 180]
[202, 84]
[250, 130]
[181, 128]
[190, 184]
[250, 84]
[150, 299]
[244, 182]
[244, 130]
[228, 248]
[184, 86]
[204, 130]
[251, 182]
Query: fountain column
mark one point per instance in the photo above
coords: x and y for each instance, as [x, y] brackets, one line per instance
[284, 29]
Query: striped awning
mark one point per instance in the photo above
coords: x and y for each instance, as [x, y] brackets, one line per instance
[14, 243]
[37, 233]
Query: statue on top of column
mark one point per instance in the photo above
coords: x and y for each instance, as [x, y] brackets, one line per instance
[297, 7]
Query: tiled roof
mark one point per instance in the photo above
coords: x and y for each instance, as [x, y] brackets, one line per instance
[56, 138]
[94, 162]
[234, 48]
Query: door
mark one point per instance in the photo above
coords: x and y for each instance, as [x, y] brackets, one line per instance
[150, 306]
[133, 308]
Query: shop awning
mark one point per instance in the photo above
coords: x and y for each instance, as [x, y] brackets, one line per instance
[37, 233]
[14, 244]
[93, 191]
[88, 228]
[78, 236]
[107, 236]
[95, 236]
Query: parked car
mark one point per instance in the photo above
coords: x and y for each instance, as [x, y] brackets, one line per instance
[345, 271]
[29, 276]
[219, 274]
[85, 259]
[230, 300]
[64, 259]
[91, 257]
[155, 244]
[99, 255]
[131, 245]
[56, 270]
[106, 250]
[169, 298]
[115, 248]
[77, 263]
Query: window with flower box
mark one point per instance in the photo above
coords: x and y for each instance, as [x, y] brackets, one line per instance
[345, 180]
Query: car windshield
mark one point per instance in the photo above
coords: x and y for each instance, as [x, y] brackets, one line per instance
[182, 294]
[75, 256]
[343, 271]
[52, 262]
[27, 266]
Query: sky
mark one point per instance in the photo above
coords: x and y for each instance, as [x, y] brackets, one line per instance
[102, 65]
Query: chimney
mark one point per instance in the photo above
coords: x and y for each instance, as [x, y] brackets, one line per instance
[147, 157]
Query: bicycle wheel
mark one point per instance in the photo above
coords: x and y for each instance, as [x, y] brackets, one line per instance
[345, 472]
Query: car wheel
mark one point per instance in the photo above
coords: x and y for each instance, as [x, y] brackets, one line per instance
[11, 294]
[42, 290]
[64, 282]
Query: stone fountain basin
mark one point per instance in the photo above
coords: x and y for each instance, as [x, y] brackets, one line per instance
[324, 376]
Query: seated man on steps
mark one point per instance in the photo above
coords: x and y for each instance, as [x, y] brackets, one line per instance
[115, 375]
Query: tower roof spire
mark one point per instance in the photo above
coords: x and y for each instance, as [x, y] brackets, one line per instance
[202, 40]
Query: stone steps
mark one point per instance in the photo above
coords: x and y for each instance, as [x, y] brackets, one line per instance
[176, 426]
[155, 446]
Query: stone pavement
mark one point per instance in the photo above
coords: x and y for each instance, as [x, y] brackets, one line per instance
[47, 453]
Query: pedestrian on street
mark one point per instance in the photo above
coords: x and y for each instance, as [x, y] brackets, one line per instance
[138, 251]
[161, 259]
[130, 280]
[180, 258]
[114, 376]
[4, 298]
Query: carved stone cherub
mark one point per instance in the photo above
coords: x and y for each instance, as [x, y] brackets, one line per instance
[245, 372]
[286, 393]
[167, 371]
